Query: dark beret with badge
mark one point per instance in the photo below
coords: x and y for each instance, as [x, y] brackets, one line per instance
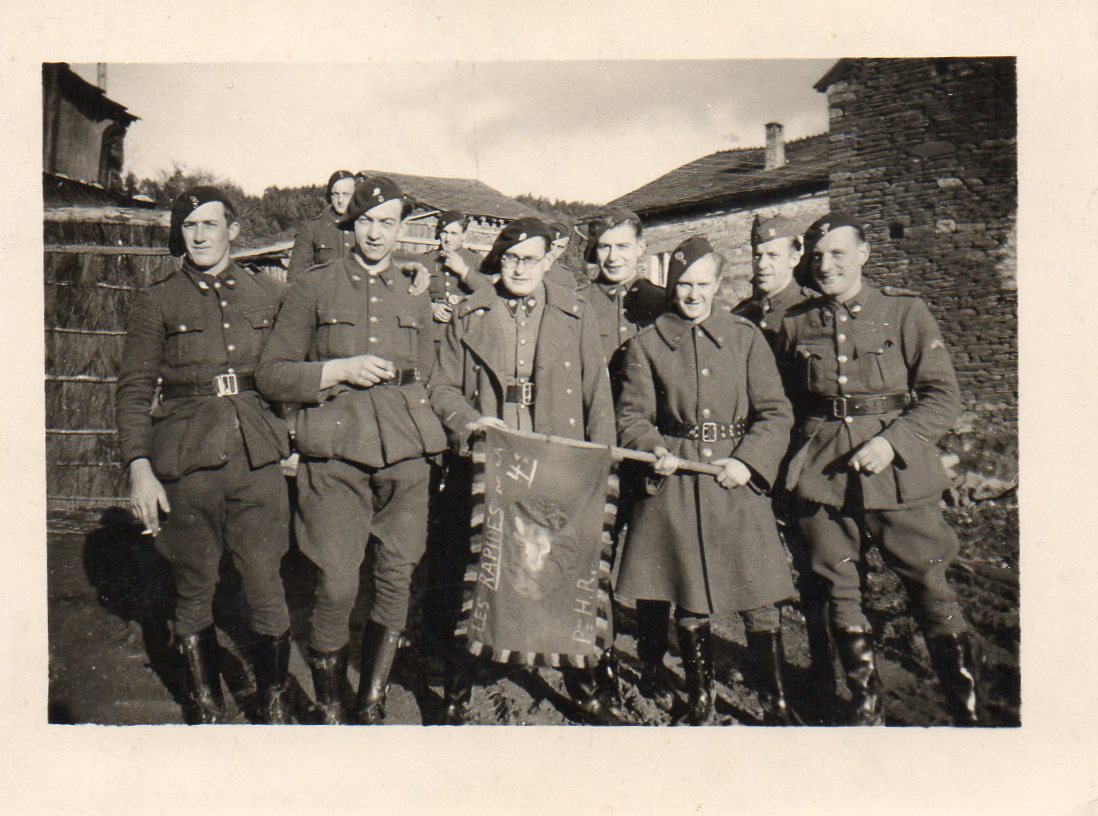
[606, 220]
[370, 192]
[560, 230]
[519, 230]
[685, 254]
[448, 217]
[186, 204]
[336, 177]
[772, 228]
[823, 225]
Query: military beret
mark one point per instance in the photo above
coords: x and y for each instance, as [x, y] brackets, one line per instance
[560, 230]
[370, 192]
[338, 175]
[605, 220]
[186, 204]
[447, 217]
[685, 254]
[768, 229]
[821, 226]
[519, 230]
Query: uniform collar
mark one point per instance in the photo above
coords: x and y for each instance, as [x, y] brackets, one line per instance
[229, 277]
[859, 304]
[357, 273]
[672, 327]
[614, 289]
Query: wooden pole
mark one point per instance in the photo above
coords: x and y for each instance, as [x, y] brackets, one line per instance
[618, 454]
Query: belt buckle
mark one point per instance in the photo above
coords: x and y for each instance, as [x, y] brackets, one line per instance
[709, 431]
[454, 300]
[838, 407]
[527, 392]
[226, 384]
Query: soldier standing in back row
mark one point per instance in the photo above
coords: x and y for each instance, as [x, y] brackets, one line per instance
[776, 249]
[867, 459]
[320, 239]
[454, 269]
[208, 454]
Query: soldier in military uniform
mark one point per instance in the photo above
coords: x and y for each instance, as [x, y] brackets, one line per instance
[353, 346]
[207, 455]
[702, 384]
[866, 460]
[454, 269]
[320, 239]
[524, 354]
[560, 270]
[624, 302]
[776, 250]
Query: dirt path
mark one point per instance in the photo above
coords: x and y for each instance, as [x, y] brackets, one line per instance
[109, 600]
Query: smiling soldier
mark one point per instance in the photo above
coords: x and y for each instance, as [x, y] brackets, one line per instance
[208, 454]
[354, 347]
[867, 460]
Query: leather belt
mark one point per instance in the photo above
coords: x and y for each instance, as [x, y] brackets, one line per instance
[450, 300]
[524, 393]
[223, 385]
[840, 407]
[707, 431]
[403, 376]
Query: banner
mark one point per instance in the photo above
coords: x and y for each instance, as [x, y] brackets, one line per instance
[537, 585]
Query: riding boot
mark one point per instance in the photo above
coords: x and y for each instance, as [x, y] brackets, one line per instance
[597, 707]
[856, 654]
[655, 680]
[951, 656]
[329, 670]
[205, 704]
[271, 657]
[821, 667]
[766, 661]
[379, 648]
[457, 691]
[696, 649]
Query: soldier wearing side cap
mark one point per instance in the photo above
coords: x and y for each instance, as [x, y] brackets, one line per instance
[207, 455]
[494, 369]
[702, 384]
[875, 392]
[320, 239]
[776, 251]
[624, 302]
[353, 346]
[454, 269]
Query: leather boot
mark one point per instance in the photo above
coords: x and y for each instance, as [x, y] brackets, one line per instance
[271, 658]
[379, 648]
[457, 690]
[951, 656]
[696, 649]
[205, 704]
[655, 680]
[597, 707]
[329, 670]
[856, 654]
[766, 659]
[821, 667]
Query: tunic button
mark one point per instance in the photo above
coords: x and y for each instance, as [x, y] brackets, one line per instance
[422, 401]
[841, 338]
[217, 284]
[373, 339]
[842, 318]
[523, 362]
[225, 326]
[231, 347]
[707, 452]
[842, 378]
[848, 419]
[373, 299]
[624, 329]
[224, 304]
[230, 370]
[373, 318]
[182, 327]
[567, 364]
[857, 307]
[522, 322]
[355, 278]
[568, 391]
[571, 420]
[705, 372]
[522, 406]
[522, 342]
[706, 413]
[842, 358]
[762, 324]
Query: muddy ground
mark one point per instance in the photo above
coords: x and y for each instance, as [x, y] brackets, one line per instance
[110, 599]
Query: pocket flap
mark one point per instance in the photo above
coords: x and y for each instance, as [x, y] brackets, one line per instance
[409, 322]
[331, 315]
[260, 318]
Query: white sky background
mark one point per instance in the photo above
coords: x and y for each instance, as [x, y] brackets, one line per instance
[588, 131]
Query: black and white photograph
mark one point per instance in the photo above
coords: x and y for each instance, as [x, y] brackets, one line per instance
[662, 394]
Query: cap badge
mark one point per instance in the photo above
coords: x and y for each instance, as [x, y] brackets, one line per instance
[773, 232]
[522, 236]
[194, 202]
[824, 227]
[679, 256]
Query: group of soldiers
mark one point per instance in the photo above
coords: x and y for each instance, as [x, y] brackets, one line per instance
[818, 408]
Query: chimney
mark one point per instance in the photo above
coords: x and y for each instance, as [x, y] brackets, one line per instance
[775, 146]
[101, 76]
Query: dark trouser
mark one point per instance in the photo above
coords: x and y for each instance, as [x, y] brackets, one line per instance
[761, 619]
[236, 507]
[343, 505]
[916, 544]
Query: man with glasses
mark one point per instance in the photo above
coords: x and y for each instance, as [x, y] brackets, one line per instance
[525, 355]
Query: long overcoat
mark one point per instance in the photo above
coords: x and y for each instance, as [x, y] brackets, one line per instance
[690, 541]
[573, 388]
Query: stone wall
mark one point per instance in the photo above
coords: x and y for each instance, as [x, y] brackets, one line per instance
[730, 233]
[925, 152]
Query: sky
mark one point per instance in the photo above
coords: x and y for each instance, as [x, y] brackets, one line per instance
[583, 130]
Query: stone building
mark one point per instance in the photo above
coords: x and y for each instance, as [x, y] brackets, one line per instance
[717, 196]
[925, 152]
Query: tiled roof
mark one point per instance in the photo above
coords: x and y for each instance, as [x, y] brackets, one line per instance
[730, 175]
[470, 196]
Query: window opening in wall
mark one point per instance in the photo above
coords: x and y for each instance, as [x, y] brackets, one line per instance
[895, 231]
